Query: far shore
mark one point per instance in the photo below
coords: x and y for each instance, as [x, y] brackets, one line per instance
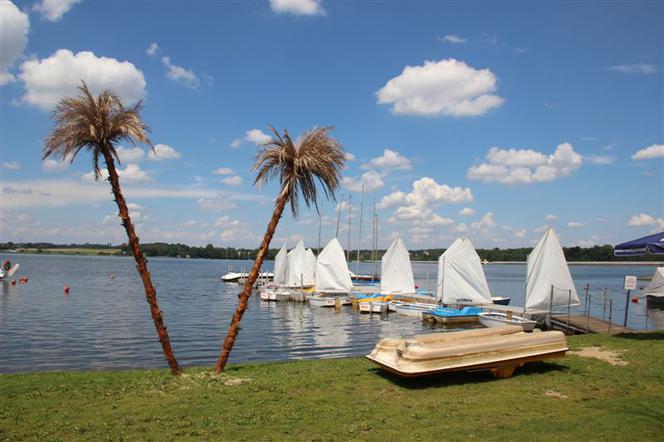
[114, 252]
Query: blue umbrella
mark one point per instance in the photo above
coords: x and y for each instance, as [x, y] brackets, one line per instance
[653, 244]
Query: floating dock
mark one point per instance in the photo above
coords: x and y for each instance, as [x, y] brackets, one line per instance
[581, 324]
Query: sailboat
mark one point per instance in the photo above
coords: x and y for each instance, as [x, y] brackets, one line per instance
[396, 277]
[332, 279]
[276, 290]
[461, 280]
[7, 270]
[549, 285]
[655, 290]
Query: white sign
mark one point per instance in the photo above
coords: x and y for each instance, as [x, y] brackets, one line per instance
[630, 282]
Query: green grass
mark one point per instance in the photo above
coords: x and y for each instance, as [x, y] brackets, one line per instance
[348, 399]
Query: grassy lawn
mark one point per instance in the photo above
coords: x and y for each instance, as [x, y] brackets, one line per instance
[574, 398]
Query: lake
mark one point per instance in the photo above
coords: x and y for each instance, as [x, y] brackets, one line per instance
[104, 323]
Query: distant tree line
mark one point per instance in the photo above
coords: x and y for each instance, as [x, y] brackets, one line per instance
[595, 253]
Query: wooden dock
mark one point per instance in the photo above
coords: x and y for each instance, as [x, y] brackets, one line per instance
[586, 324]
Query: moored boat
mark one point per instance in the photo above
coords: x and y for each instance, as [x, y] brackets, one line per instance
[655, 290]
[446, 315]
[497, 319]
[500, 350]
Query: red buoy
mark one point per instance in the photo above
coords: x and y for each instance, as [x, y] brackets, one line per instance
[13, 282]
[66, 289]
[635, 300]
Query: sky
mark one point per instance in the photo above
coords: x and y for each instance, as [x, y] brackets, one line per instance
[490, 120]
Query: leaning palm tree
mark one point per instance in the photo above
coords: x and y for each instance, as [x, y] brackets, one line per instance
[97, 125]
[315, 155]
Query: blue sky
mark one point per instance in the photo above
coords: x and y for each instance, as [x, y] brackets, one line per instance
[489, 120]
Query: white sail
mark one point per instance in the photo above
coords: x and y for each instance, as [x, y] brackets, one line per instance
[311, 264]
[298, 273]
[396, 271]
[656, 286]
[332, 275]
[547, 267]
[460, 275]
[281, 266]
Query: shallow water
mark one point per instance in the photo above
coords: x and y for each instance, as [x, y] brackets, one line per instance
[105, 323]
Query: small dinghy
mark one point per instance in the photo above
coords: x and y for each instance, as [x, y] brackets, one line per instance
[414, 309]
[445, 315]
[496, 319]
[500, 350]
[501, 300]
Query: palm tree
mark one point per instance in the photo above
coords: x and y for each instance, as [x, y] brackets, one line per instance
[97, 125]
[315, 155]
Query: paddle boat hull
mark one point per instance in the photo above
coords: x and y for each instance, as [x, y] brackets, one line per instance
[496, 319]
[500, 350]
[414, 309]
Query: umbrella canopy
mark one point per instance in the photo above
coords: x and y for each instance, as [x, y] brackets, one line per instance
[648, 244]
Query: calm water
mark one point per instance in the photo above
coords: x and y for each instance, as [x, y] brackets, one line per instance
[105, 323]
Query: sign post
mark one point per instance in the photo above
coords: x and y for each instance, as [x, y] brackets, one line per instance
[630, 284]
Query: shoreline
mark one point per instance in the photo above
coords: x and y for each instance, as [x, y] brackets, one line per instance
[570, 263]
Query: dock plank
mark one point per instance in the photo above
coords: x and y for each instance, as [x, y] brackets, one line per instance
[586, 324]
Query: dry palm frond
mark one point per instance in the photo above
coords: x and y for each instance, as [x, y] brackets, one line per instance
[314, 156]
[94, 124]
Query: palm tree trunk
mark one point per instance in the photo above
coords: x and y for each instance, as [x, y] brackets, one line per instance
[141, 265]
[234, 328]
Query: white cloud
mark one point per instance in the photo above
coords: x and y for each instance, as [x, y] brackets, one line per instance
[226, 221]
[64, 192]
[53, 10]
[390, 160]
[551, 217]
[256, 136]
[234, 180]
[186, 77]
[350, 156]
[575, 224]
[636, 68]
[50, 165]
[654, 151]
[453, 38]
[467, 211]
[417, 206]
[163, 152]
[392, 199]
[222, 201]
[224, 171]
[645, 220]
[50, 79]
[12, 165]
[601, 160]
[132, 174]
[130, 154]
[601, 220]
[485, 223]
[524, 166]
[153, 50]
[426, 191]
[298, 7]
[446, 87]
[13, 38]
[371, 181]
[520, 233]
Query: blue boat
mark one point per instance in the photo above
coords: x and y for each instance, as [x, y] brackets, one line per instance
[447, 315]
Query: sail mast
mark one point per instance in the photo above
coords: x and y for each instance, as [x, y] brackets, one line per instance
[341, 200]
[320, 227]
[350, 211]
[359, 235]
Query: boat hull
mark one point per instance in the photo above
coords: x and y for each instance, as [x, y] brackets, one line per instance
[655, 300]
[459, 319]
[501, 300]
[493, 319]
[500, 350]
